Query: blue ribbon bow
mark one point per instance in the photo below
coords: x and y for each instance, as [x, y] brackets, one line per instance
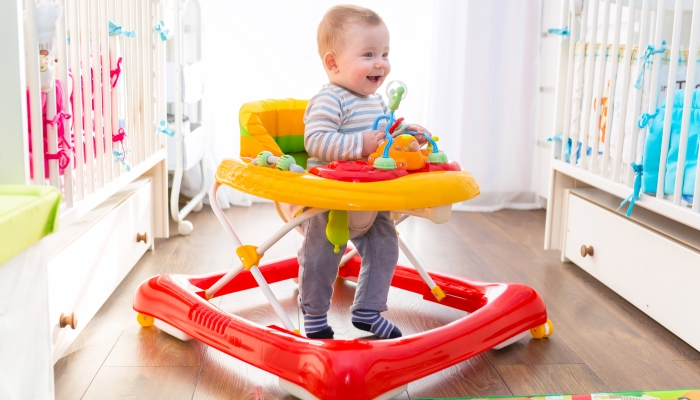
[637, 188]
[162, 30]
[115, 29]
[643, 119]
[559, 31]
[121, 157]
[164, 128]
[650, 52]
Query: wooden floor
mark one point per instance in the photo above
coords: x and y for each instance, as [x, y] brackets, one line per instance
[601, 343]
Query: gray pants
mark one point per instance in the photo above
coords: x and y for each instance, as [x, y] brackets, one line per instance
[318, 265]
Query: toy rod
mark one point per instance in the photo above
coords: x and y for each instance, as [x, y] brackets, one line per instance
[255, 271]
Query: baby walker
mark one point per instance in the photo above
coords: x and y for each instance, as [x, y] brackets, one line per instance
[400, 178]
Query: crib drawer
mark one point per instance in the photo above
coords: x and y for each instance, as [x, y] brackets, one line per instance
[653, 272]
[84, 273]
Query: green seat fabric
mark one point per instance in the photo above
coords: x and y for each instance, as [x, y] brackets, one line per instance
[27, 214]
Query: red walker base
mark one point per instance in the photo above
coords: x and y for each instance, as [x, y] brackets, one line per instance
[346, 369]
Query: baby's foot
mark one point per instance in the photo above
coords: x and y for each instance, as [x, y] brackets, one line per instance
[316, 327]
[372, 321]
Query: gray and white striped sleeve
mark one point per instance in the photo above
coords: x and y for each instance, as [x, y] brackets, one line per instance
[323, 119]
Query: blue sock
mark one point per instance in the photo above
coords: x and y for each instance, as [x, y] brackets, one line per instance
[372, 321]
[316, 327]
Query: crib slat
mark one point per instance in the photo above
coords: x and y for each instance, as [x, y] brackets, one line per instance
[34, 87]
[96, 63]
[147, 98]
[52, 138]
[130, 59]
[598, 99]
[143, 70]
[622, 122]
[687, 102]
[116, 16]
[62, 69]
[161, 100]
[148, 26]
[85, 74]
[613, 87]
[77, 108]
[577, 89]
[138, 78]
[568, 90]
[588, 88]
[105, 64]
[637, 106]
[670, 89]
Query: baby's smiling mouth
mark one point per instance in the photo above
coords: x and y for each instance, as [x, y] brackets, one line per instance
[374, 79]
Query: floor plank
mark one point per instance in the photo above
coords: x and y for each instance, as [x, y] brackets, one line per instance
[551, 378]
[149, 347]
[693, 367]
[74, 372]
[474, 377]
[123, 383]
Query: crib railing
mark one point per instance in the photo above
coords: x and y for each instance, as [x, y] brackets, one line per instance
[110, 60]
[614, 47]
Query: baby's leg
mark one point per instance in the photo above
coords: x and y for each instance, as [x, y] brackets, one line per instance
[318, 268]
[379, 250]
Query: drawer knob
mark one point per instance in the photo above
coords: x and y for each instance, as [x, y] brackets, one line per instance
[68, 320]
[142, 237]
[586, 251]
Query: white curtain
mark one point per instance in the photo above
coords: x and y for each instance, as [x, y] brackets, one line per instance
[470, 67]
[483, 95]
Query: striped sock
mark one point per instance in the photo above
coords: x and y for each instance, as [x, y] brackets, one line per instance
[316, 327]
[372, 321]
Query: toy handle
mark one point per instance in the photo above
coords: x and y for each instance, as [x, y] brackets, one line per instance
[396, 99]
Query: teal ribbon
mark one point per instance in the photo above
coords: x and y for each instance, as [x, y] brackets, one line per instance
[162, 30]
[559, 31]
[643, 119]
[637, 188]
[115, 30]
[164, 128]
[650, 52]
[120, 157]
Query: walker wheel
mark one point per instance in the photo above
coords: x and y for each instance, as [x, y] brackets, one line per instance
[144, 320]
[543, 331]
[184, 228]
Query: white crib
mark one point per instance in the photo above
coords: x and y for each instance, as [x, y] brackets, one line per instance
[652, 257]
[114, 185]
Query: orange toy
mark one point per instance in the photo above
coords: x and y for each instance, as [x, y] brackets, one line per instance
[405, 151]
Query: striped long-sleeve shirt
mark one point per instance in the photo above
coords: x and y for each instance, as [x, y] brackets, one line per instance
[335, 119]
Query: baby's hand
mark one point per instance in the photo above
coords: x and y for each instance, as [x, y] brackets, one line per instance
[370, 141]
[421, 133]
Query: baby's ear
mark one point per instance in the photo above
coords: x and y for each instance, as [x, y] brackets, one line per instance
[330, 63]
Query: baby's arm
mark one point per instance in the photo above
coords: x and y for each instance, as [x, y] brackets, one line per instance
[322, 140]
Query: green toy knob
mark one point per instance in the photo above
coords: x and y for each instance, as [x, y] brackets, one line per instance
[337, 230]
[386, 164]
[437, 158]
[285, 163]
[261, 159]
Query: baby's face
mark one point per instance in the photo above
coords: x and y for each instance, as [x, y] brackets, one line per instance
[363, 62]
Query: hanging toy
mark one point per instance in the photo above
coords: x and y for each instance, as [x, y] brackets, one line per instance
[283, 163]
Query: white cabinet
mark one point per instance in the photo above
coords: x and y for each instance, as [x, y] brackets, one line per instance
[91, 257]
[643, 259]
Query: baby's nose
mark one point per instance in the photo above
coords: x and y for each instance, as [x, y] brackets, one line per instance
[379, 65]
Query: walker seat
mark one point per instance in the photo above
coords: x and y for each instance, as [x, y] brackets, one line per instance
[499, 313]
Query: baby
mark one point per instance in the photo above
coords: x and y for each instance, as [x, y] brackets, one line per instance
[353, 43]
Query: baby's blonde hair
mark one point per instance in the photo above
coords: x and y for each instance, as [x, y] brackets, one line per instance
[335, 21]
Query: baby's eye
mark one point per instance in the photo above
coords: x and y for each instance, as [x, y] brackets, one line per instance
[368, 55]
[385, 55]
